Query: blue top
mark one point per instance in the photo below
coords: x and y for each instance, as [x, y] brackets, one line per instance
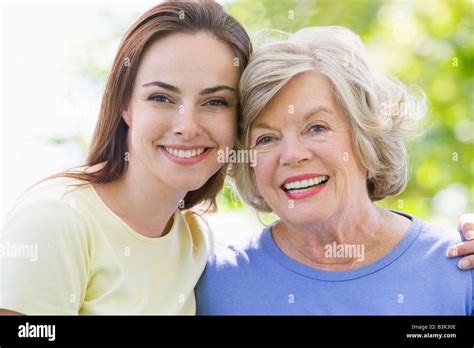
[415, 278]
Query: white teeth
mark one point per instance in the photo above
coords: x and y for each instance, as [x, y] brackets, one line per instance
[300, 190]
[185, 153]
[305, 184]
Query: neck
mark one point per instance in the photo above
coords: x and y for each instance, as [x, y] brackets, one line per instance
[363, 229]
[144, 201]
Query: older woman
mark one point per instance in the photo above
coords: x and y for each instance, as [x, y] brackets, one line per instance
[329, 135]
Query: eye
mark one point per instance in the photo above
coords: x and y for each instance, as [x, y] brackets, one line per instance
[263, 140]
[217, 102]
[159, 98]
[317, 128]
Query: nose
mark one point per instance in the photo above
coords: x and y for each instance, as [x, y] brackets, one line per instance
[187, 125]
[295, 152]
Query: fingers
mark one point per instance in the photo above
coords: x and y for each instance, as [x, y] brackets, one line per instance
[466, 226]
[466, 263]
[462, 249]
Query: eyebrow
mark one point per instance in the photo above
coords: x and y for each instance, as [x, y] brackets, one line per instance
[162, 85]
[306, 116]
[217, 89]
[177, 90]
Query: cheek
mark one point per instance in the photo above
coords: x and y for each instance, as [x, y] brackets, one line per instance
[155, 124]
[333, 156]
[340, 161]
[148, 123]
[265, 172]
[148, 131]
[229, 134]
[225, 132]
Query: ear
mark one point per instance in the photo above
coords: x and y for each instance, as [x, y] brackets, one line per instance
[127, 116]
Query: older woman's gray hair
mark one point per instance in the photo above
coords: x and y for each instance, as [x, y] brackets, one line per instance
[380, 110]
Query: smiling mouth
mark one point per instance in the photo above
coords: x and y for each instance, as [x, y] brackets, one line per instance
[185, 154]
[306, 185]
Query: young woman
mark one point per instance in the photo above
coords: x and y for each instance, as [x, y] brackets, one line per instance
[118, 236]
[112, 237]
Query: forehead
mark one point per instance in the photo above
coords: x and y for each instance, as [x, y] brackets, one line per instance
[195, 57]
[303, 93]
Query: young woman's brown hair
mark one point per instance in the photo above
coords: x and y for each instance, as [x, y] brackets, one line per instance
[109, 142]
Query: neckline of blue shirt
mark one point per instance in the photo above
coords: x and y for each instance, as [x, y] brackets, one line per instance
[278, 255]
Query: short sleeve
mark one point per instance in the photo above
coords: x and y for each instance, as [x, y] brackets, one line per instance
[44, 259]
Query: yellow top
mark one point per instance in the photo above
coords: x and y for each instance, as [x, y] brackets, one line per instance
[63, 251]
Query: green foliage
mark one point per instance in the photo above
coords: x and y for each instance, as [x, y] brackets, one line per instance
[75, 139]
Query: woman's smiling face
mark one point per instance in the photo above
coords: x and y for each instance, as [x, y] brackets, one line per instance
[183, 108]
[306, 169]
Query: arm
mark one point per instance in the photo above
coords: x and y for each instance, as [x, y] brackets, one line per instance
[466, 248]
[49, 275]
[7, 312]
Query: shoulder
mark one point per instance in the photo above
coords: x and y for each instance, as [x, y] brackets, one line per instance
[426, 250]
[60, 189]
[431, 246]
[228, 271]
[47, 207]
[46, 229]
[436, 236]
[237, 256]
[429, 235]
[199, 230]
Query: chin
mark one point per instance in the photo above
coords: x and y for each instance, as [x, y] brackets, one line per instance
[299, 215]
[191, 183]
[185, 186]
